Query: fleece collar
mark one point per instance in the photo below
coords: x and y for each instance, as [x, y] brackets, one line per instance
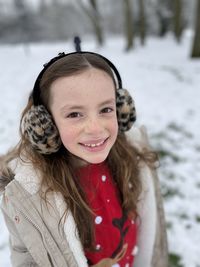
[30, 179]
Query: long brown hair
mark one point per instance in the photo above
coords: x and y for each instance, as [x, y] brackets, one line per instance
[58, 169]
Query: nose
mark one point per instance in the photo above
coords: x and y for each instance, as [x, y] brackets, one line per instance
[93, 126]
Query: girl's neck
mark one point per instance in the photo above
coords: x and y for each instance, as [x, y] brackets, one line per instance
[80, 163]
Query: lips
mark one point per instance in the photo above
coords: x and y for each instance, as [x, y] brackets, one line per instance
[94, 144]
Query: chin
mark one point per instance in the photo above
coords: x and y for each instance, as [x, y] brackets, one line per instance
[96, 160]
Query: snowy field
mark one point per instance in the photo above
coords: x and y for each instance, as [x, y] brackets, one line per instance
[166, 86]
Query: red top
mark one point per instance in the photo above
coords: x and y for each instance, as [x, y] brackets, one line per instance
[112, 228]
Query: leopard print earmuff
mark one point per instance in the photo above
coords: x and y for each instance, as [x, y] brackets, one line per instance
[38, 124]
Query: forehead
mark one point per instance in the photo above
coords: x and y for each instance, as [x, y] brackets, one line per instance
[91, 85]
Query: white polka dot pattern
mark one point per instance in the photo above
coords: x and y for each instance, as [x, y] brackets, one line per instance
[103, 177]
[98, 247]
[98, 219]
[135, 251]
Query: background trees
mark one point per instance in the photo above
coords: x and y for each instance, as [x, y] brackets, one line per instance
[196, 43]
[177, 7]
[58, 20]
[93, 14]
[128, 24]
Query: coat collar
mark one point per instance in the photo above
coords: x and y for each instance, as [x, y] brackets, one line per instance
[30, 180]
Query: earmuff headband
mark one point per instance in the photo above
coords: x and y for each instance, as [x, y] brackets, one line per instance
[36, 89]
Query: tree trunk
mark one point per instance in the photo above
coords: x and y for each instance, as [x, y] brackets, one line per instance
[142, 22]
[178, 23]
[94, 17]
[196, 42]
[42, 6]
[24, 20]
[93, 3]
[129, 31]
[97, 24]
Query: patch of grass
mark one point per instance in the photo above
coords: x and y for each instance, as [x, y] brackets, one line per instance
[183, 216]
[175, 260]
[197, 218]
[170, 176]
[165, 153]
[170, 192]
[169, 225]
[175, 127]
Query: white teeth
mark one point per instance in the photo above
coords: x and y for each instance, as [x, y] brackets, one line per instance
[94, 145]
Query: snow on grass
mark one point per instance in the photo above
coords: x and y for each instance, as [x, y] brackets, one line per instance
[165, 83]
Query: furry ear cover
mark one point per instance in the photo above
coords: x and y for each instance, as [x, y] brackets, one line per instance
[126, 113]
[40, 129]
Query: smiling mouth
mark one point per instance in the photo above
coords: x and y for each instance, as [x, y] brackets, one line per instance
[92, 145]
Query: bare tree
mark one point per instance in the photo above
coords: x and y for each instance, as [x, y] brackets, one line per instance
[142, 21]
[42, 6]
[128, 25]
[24, 21]
[164, 14]
[196, 42]
[177, 18]
[93, 14]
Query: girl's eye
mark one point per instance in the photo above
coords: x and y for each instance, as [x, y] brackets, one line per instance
[106, 110]
[74, 115]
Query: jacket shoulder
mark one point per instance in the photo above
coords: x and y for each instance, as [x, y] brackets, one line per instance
[6, 176]
[138, 137]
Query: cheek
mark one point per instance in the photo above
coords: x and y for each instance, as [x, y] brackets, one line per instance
[68, 134]
[114, 127]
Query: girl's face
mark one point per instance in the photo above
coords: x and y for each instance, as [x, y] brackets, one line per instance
[84, 110]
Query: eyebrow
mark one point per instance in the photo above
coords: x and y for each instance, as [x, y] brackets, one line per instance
[73, 107]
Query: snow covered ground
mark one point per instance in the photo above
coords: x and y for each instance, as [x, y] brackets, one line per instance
[166, 86]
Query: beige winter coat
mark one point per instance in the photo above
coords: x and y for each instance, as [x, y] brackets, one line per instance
[36, 239]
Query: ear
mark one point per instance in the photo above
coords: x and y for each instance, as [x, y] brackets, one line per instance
[41, 131]
[126, 113]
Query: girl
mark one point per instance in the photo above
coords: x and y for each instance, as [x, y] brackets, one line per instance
[76, 190]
